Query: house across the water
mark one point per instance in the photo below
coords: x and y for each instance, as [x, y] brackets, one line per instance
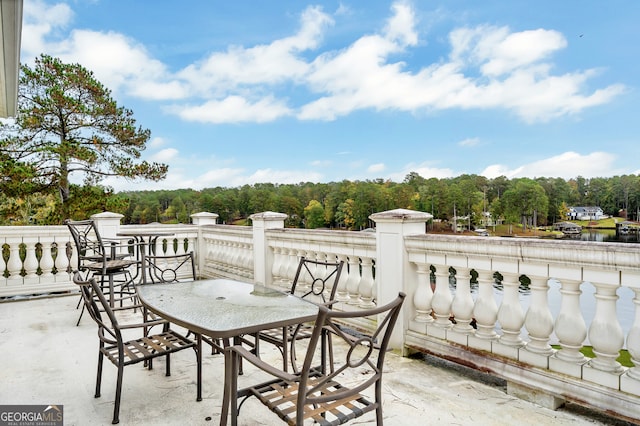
[585, 213]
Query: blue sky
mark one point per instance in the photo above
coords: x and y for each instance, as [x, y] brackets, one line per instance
[288, 91]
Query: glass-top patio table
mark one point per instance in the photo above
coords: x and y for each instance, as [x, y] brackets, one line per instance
[223, 308]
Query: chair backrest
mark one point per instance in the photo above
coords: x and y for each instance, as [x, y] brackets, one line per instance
[99, 309]
[319, 276]
[87, 240]
[168, 269]
[363, 361]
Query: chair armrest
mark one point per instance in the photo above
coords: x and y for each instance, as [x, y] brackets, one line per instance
[268, 368]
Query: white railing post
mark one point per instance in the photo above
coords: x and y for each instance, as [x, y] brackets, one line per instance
[392, 259]
[201, 219]
[263, 257]
[108, 223]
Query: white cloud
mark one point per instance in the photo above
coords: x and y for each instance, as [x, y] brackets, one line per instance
[165, 155]
[469, 142]
[233, 109]
[567, 165]
[425, 170]
[376, 168]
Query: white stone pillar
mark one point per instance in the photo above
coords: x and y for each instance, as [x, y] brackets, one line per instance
[263, 256]
[392, 260]
[108, 223]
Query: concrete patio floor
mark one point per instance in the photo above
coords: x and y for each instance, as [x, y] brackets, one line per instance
[45, 359]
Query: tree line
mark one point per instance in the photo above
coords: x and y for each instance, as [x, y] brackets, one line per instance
[348, 204]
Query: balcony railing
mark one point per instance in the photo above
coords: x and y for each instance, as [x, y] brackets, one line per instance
[465, 293]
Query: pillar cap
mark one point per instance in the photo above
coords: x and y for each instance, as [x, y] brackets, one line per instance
[268, 216]
[107, 215]
[401, 215]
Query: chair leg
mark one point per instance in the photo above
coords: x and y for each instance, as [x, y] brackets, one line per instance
[99, 375]
[116, 408]
[198, 349]
[378, 387]
[168, 365]
[80, 316]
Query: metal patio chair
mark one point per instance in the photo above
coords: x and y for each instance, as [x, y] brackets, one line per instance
[322, 280]
[172, 269]
[123, 352]
[108, 260]
[328, 399]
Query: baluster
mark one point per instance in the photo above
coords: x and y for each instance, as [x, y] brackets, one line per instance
[248, 260]
[180, 246]
[485, 309]
[442, 298]
[30, 261]
[46, 261]
[276, 278]
[14, 264]
[538, 321]
[354, 280]
[605, 332]
[633, 340]
[424, 294]
[510, 313]
[3, 263]
[342, 294]
[570, 327]
[462, 305]
[67, 258]
[366, 285]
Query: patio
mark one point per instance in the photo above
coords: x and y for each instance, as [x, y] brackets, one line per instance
[46, 359]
